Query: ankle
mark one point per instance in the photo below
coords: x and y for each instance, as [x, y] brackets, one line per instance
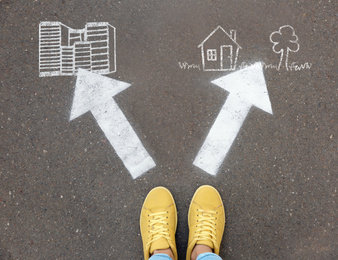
[167, 251]
[200, 249]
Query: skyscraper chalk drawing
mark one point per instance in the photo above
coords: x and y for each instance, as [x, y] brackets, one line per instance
[64, 50]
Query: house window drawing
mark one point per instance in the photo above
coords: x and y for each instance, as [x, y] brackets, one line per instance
[63, 50]
[220, 50]
[212, 55]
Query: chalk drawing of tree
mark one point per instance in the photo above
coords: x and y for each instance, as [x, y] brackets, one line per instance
[284, 40]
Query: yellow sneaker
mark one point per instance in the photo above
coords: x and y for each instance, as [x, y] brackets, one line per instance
[158, 222]
[206, 219]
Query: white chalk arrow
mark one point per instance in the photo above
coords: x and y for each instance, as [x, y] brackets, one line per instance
[94, 93]
[247, 88]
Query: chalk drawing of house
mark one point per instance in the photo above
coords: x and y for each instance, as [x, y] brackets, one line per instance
[63, 50]
[220, 50]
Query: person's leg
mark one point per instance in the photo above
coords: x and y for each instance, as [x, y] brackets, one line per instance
[206, 219]
[158, 222]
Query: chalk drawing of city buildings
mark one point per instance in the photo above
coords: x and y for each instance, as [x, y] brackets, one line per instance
[220, 50]
[63, 50]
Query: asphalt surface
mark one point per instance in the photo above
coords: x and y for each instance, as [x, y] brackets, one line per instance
[64, 192]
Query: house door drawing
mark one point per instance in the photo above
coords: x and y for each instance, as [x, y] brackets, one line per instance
[226, 57]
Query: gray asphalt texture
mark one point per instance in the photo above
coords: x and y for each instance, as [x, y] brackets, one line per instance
[64, 192]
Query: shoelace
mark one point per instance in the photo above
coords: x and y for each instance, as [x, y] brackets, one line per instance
[206, 226]
[159, 227]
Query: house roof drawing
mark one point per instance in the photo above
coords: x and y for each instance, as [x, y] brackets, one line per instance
[231, 37]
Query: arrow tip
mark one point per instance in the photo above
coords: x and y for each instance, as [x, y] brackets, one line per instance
[91, 90]
[249, 85]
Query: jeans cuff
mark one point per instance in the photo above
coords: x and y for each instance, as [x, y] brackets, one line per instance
[160, 257]
[208, 256]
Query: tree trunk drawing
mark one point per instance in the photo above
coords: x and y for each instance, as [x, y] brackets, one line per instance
[280, 59]
[287, 59]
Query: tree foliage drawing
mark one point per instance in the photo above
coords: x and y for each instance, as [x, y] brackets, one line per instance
[284, 41]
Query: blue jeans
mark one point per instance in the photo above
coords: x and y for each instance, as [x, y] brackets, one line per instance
[205, 256]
